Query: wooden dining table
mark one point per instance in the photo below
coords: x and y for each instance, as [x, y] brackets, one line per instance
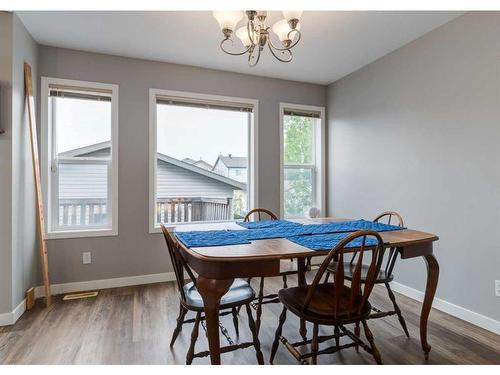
[218, 266]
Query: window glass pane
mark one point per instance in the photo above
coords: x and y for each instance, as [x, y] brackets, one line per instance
[202, 163]
[297, 192]
[82, 128]
[298, 136]
[83, 192]
[81, 124]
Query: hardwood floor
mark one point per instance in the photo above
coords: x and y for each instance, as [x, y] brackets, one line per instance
[133, 325]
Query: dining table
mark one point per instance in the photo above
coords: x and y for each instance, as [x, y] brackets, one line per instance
[217, 267]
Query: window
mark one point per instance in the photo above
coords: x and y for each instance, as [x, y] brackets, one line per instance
[201, 160]
[80, 133]
[302, 166]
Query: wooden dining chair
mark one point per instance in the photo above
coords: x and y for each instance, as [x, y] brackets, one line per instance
[240, 294]
[286, 266]
[334, 304]
[385, 276]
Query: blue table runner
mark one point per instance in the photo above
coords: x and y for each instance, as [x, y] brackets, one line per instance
[329, 241]
[308, 235]
[236, 237]
[348, 226]
[210, 238]
[266, 224]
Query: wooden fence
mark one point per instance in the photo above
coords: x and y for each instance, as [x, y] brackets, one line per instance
[178, 210]
[82, 212]
[90, 212]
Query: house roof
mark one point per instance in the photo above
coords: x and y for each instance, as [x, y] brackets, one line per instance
[165, 158]
[233, 161]
[86, 149]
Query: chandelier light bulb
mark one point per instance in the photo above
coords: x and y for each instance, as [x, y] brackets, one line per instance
[282, 29]
[242, 34]
[228, 19]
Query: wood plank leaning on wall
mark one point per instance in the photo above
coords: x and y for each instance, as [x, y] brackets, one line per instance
[28, 89]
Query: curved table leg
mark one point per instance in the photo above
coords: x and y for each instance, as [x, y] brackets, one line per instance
[211, 291]
[430, 290]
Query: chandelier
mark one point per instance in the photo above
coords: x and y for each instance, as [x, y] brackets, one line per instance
[256, 34]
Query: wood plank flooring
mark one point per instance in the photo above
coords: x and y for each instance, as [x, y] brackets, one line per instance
[133, 325]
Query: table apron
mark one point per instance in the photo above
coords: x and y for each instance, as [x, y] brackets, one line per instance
[416, 250]
[224, 270]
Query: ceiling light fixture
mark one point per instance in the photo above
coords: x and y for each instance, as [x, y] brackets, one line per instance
[256, 34]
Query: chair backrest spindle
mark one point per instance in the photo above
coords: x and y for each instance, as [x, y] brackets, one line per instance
[393, 254]
[391, 259]
[359, 292]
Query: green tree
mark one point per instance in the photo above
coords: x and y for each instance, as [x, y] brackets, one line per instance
[298, 137]
[298, 149]
[297, 192]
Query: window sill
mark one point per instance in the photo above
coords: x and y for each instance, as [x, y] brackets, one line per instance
[196, 224]
[82, 234]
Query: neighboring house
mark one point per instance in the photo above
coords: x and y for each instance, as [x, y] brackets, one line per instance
[185, 191]
[233, 167]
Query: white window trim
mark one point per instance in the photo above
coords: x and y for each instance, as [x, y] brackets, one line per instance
[46, 133]
[253, 147]
[319, 148]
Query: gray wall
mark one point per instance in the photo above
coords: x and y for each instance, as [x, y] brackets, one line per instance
[18, 250]
[134, 251]
[25, 264]
[5, 162]
[418, 131]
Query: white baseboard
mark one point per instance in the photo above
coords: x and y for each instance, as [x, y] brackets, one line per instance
[450, 308]
[9, 318]
[81, 286]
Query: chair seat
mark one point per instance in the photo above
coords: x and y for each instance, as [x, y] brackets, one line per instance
[238, 294]
[382, 276]
[321, 308]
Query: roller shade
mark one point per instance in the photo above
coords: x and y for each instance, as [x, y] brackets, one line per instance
[302, 113]
[202, 103]
[79, 93]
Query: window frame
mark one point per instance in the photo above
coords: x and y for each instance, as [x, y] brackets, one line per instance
[47, 157]
[318, 167]
[253, 175]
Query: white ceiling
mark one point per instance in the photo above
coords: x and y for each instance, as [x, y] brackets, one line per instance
[333, 44]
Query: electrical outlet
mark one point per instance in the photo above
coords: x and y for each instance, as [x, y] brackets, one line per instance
[86, 258]
[497, 288]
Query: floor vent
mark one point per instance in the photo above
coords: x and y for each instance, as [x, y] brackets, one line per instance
[71, 296]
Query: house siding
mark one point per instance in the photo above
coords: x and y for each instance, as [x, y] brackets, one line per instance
[176, 182]
[242, 177]
[220, 168]
[82, 181]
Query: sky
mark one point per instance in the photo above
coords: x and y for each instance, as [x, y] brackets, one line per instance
[183, 132]
[81, 123]
[196, 133]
